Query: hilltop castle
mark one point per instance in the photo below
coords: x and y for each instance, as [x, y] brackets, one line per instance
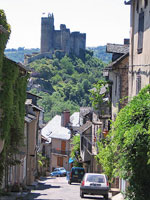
[62, 39]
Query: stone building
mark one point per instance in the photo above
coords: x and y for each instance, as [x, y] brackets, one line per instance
[63, 39]
[139, 57]
[117, 74]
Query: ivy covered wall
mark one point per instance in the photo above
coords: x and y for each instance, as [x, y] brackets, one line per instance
[13, 81]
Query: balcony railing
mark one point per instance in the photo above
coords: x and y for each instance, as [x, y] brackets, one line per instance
[61, 152]
[87, 143]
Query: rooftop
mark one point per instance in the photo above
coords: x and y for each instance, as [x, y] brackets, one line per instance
[74, 119]
[117, 48]
[128, 2]
[85, 110]
[85, 126]
[53, 129]
[109, 67]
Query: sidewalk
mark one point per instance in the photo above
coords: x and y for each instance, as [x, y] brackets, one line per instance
[14, 196]
[19, 195]
[118, 197]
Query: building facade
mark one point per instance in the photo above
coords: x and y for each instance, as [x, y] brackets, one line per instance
[139, 62]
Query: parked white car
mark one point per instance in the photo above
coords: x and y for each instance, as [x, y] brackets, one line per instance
[94, 184]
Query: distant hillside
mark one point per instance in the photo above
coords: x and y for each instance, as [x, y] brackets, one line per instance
[64, 83]
[100, 52]
[18, 54]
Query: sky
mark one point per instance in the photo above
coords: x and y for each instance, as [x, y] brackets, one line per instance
[103, 21]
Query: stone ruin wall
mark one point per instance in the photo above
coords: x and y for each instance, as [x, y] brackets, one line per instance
[63, 40]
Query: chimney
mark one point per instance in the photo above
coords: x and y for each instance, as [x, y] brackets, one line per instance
[65, 118]
[127, 41]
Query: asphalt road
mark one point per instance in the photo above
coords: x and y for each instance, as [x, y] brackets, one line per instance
[58, 189]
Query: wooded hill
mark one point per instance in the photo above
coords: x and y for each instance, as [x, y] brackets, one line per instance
[64, 83]
[18, 54]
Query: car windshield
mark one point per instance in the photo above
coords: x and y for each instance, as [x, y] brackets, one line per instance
[95, 178]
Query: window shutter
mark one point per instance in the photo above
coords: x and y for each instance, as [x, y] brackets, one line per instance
[145, 3]
[60, 161]
[140, 32]
[138, 83]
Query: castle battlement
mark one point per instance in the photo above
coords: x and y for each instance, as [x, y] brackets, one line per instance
[63, 39]
[60, 42]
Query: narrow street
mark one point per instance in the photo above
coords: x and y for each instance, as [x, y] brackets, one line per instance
[52, 188]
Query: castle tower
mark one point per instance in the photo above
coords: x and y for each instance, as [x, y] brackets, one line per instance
[47, 32]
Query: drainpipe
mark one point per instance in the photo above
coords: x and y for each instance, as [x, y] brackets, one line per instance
[27, 152]
[132, 43]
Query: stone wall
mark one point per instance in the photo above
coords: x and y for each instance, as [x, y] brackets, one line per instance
[47, 31]
[57, 40]
[31, 58]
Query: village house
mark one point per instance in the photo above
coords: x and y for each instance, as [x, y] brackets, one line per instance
[33, 125]
[45, 152]
[59, 136]
[90, 126]
[139, 59]
[16, 173]
[116, 73]
[58, 133]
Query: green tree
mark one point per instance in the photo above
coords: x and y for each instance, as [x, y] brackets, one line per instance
[75, 152]
[126, 151]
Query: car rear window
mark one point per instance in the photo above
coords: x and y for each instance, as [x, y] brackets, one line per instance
[78, 171]
[96, 178]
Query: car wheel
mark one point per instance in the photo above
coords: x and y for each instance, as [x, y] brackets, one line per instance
[81, 194]
[69, 182]
[106, 196]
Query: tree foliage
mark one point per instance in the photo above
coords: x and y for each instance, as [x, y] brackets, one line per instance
[65, 82]
[12, 104]
[97, 95]
[126, 151]
[75, 151]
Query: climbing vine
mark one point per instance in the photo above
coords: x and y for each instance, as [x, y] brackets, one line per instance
[3, 36]
[12, 103]
[75, 151]
[126, 151]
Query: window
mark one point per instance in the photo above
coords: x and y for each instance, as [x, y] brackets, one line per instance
[140, 32]
[138, 82]
[116, 85]
[145, 3]
[137, 6]
[82, 143]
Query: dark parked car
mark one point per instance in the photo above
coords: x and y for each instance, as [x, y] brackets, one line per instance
[58, 172]
[76, 175]
[94, 184]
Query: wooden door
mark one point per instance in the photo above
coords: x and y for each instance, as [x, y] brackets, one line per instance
[63, 147]
[60, 161]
